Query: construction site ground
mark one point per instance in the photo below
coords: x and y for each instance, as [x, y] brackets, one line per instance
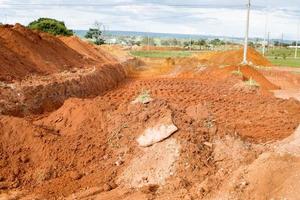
[213, 129]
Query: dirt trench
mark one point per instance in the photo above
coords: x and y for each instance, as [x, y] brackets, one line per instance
[38, 95]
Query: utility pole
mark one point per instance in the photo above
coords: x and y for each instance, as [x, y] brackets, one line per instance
[265, 35]
[247, 34]
[296, 50]
[281, 41]
[268, 41]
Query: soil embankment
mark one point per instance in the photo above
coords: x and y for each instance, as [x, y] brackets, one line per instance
[25, 52]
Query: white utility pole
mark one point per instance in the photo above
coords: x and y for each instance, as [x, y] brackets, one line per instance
[247, 34]
[296, 50]
[266, 29]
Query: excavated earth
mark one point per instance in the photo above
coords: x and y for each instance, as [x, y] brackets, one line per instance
[73, 134]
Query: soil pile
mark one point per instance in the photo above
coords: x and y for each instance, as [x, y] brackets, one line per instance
[25, 52]
[233, 57]
[89, 51]
[90, 143]
[247, 73]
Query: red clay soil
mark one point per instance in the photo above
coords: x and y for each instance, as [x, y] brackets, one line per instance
[78, 145]
[248, 73]
[37, 95]
[88, 50]
[235, 57]
[24, 52]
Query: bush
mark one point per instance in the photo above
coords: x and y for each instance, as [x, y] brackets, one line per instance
[96, 35]
[51, 26]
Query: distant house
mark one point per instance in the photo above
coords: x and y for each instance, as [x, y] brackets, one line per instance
[294, 47]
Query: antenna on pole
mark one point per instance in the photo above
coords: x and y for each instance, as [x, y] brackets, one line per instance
[247, 34]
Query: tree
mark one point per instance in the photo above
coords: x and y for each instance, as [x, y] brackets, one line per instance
[96, 34]
[148, 41]
[51, 26]
[217, 42]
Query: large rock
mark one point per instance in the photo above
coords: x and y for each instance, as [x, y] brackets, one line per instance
[162, 130]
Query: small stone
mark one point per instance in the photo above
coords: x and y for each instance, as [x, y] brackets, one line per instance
[4, 185]
[107, 187]
[187, 197]
[119, 162]
[113, 185]
[210, 145]
[149, 189]
[24, 159]
[75, 175]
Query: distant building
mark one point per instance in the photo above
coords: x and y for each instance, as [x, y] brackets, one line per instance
[294, 47]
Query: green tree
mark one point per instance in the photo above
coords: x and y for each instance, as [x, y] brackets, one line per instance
[148, 40]
[96, 34]
[217, 42]
[51, 26]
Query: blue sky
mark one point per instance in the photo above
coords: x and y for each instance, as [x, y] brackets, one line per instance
[209, 17]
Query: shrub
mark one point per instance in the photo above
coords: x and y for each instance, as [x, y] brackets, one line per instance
[51, 26]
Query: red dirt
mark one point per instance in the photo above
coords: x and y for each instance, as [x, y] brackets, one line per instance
[88, 50]
[30, 52]
[234, 57]
[77, 146]
[248, 73]
[82, 149]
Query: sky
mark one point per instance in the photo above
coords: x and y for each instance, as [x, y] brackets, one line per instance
[204, 17]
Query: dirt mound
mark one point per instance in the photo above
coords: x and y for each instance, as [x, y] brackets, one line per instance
[120, 53]
[247, 73]
[88, 50]
[90, 143]
[38, 95]
[25, 52]
[233, 57]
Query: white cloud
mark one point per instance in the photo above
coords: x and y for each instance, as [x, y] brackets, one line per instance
[214, 18]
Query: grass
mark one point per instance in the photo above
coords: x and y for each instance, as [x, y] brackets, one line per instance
[160, 54]
[252, 83]
[237, 73]
[144, 97]
[283, 57]
[288, 62]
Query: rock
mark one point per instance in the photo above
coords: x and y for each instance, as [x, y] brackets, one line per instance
[113, 185]
[149, 189]
[107, 187]
[75, 175]
[119, 162]
[187, 197]
[143, 98]
[162, 130]
[24, 158]
[210, 145]
[4, 185]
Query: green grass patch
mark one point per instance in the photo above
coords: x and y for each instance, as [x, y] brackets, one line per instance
[287, 62]
[237, 73]
[160, 54]
[252, 83]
